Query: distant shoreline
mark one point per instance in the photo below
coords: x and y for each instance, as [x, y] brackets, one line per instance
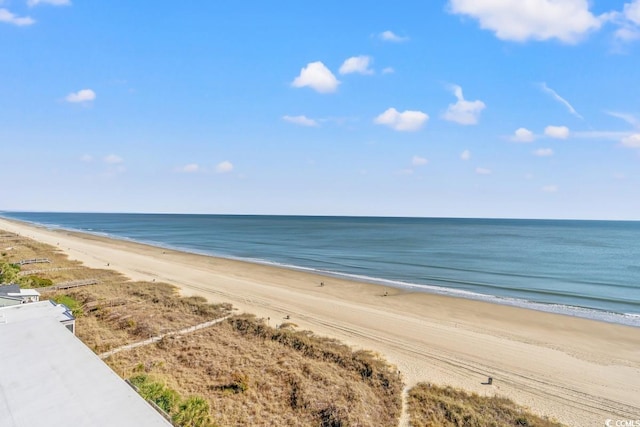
[575, 370]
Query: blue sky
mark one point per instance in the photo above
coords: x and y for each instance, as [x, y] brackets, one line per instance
[461, 108]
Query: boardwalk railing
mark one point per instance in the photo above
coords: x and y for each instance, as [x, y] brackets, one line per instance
[73, 284]
[160, 337]
[33, 261]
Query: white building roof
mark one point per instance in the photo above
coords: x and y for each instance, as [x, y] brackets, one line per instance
[25, 293]
[48, 377]
[34, 310]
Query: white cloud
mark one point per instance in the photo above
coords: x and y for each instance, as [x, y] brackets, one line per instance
[388, 70]
[390, 36]
[113, 159]
[523, 135]
[629, 118]
[631, 141]
[300, 120]
[558, 132]
[550, 188]
[629, 22]
[86, 158]
[543, 152]
[224, 167]
[465, 155]
[483, 171]
[356, 64]
[406, 121]
[522, 20]
[10, 18]
[632, 11]
[83, 95]
[318, 77]
[190, 168]
[463, 112]
[32, 3]
[560, 99]
[628, 33]
[419, 161]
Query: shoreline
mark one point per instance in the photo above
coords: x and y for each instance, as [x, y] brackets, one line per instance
[576, 370]
[589, 313]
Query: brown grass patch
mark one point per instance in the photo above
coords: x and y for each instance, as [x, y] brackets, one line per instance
[115, 314]
[16, 248]
[448, 407]
[256, 375]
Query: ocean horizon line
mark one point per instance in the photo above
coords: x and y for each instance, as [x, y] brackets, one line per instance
[498, 218]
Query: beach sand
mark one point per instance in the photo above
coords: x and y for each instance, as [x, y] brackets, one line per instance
[577, 371]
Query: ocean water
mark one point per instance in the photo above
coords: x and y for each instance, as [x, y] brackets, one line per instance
[582, 268]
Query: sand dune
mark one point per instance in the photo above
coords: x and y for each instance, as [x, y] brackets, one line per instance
[577, 371]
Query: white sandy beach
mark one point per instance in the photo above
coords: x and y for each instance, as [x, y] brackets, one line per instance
[577, 371]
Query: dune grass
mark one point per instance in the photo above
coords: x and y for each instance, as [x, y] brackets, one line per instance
[430, 405]
[256, 375]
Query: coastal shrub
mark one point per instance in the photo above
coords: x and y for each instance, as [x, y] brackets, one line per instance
[8, 272]
[139, 380]
[166, 398]
[193, 412]
[374, 371]
[430, 405]
[33, 281]
[239, 383]
[332, 416]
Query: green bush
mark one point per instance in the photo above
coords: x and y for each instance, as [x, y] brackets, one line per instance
[71, 303]
[166, 398]
[34, 282]
[8, 272]
[193, 412]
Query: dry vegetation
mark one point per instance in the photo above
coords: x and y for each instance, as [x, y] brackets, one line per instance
[116, 314]
[448, 407]
[241, 371]
[255, 375]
